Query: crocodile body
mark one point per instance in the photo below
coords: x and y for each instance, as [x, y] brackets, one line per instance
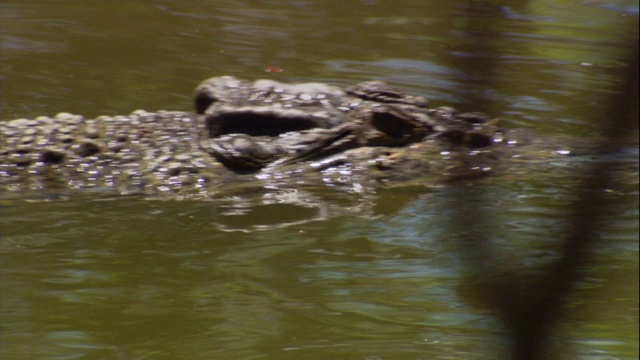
[263, 133]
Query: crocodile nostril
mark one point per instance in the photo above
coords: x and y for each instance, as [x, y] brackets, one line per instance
[391, 124]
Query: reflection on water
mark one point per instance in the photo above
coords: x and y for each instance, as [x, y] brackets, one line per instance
[125, 278]
[308, 273]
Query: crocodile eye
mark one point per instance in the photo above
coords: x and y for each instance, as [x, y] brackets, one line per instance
[203, 101]
[259, 122]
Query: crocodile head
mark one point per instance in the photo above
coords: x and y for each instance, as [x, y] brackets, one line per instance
[249, 125]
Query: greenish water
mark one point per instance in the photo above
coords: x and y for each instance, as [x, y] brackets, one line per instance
[310, 273]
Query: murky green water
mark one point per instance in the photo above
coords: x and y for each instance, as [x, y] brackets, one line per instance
[319, 275]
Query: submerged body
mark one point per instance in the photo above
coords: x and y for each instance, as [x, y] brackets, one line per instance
[264, 133]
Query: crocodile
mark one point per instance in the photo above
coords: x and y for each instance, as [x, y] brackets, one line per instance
[263, 132]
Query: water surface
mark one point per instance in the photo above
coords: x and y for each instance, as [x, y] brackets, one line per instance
[348, 275]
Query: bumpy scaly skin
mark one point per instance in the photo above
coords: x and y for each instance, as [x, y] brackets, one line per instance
[262, 133]
[141, 152]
